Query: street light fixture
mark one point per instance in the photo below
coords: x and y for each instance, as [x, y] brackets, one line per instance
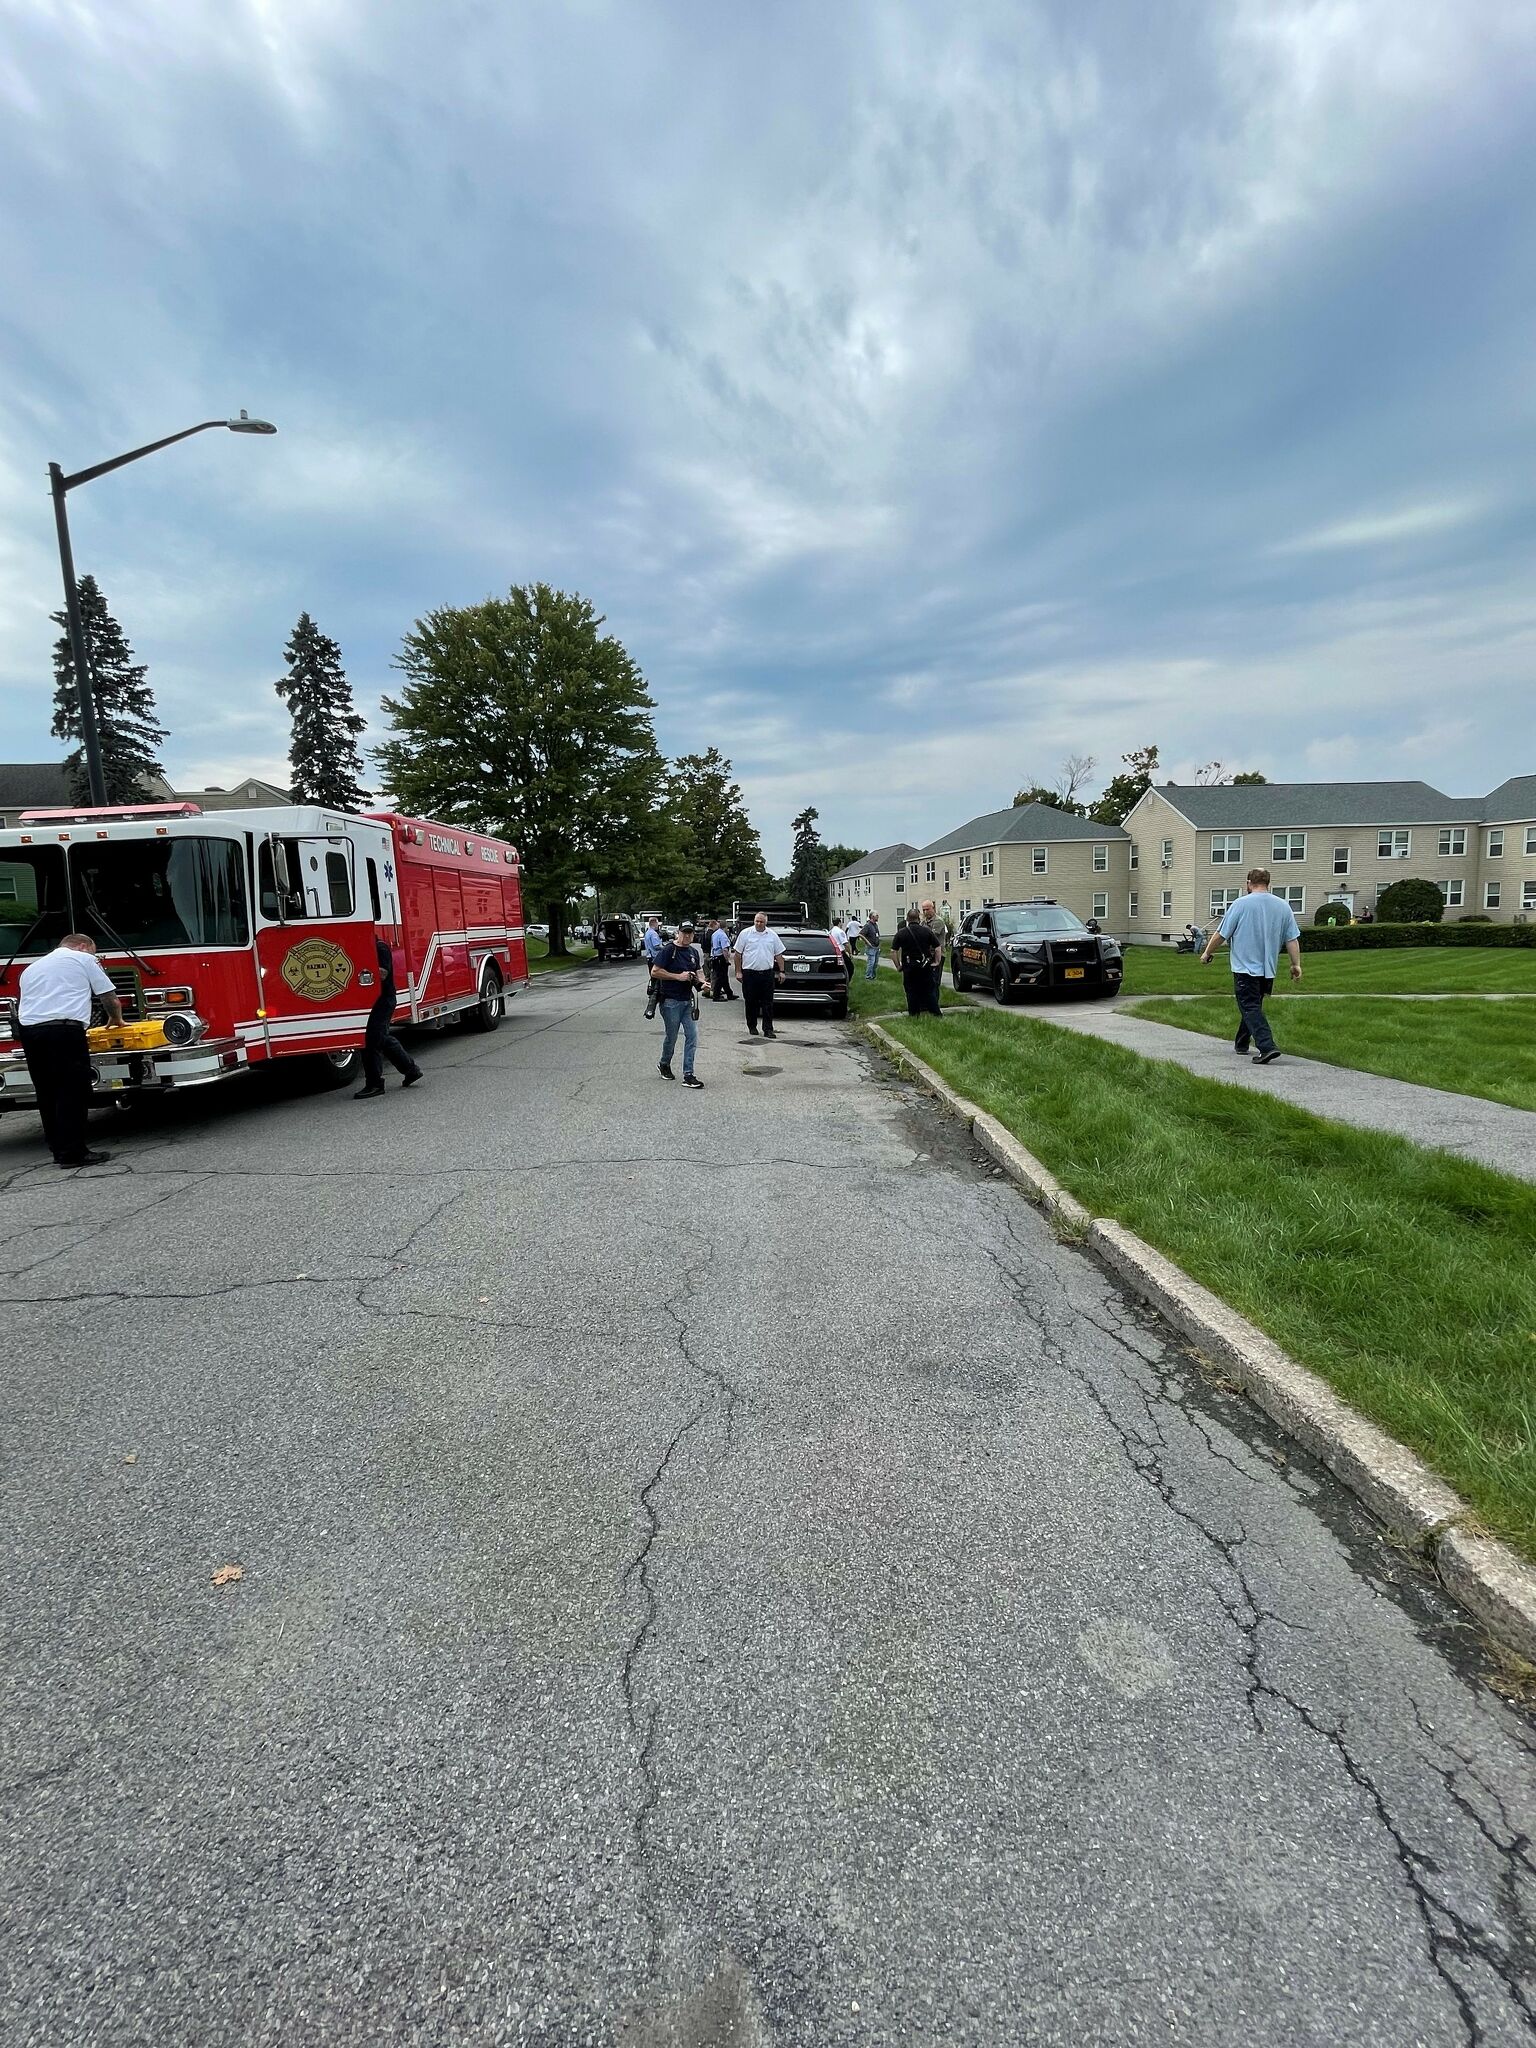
[59, 483]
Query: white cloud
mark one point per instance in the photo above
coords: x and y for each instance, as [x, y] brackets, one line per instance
[1382, 529]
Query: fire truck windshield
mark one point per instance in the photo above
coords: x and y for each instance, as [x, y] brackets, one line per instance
[142, 893]
[34, 909]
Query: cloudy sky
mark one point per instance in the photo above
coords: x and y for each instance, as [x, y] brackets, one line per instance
[924, 389]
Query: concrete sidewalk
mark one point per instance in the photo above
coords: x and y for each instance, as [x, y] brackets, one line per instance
[1490, 1132]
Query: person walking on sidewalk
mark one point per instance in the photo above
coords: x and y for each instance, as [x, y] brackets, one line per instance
[679, 972]
[720, 963]
[379, 1041]
[1254, 929]
[759, 968]
[53, 1014]
[871, 936]
[912, 950]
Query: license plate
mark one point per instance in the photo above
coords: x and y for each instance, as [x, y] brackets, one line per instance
[800, 966]
[1074, 973]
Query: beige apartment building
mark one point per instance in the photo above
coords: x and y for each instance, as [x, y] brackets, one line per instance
[1030, 850]
[1190, 849]
[876, 883]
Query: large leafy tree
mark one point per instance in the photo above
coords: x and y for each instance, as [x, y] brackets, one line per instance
[808, 868]
[721, 854]
[1127, 788]
[323, 757]
[521, 716]
[129, 732]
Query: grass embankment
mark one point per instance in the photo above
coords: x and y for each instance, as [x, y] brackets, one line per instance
[1405, 1277]
[1404, 970]
[540, 961]
[1471, 1048]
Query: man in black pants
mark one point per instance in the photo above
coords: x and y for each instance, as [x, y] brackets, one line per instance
[53, 1013]
[913, 949]
[381, 1044]
[759, 966]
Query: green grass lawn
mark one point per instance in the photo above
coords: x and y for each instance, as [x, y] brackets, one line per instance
[539, 961]
[1472, 1048]
[1395, 970]
[1405, 1277]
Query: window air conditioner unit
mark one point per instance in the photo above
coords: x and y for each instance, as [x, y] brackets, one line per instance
[1165, 863]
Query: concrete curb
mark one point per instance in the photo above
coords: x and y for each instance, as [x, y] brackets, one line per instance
[1482, 1574]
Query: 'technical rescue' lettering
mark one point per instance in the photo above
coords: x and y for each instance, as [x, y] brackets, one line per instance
[439, 843]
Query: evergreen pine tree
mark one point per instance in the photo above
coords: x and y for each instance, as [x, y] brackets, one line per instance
[323, 756]
[126, 725]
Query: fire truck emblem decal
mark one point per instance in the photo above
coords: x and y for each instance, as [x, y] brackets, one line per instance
[317, 969]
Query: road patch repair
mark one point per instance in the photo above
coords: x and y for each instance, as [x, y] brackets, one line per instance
[1416, 1506]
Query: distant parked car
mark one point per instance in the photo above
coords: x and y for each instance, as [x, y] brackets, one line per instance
[537, 931]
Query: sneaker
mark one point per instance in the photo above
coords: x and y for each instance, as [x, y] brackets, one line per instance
[411, 1079]
[85, 1159]
[692, 1081]
[663, 1068]
[363, 1094]
[1264, 1059]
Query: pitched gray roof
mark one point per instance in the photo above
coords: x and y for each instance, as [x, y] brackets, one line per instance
[883, 861]
[1265, 806]
[40, 784]
[1030, 824]
[1513, 799]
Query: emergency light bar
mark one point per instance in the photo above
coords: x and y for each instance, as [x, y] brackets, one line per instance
[124, 814]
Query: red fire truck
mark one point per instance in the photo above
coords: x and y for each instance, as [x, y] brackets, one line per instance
[238, 937]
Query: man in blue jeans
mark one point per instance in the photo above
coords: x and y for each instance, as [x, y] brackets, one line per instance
[1255, 927]
[679, 974]
[871, 937]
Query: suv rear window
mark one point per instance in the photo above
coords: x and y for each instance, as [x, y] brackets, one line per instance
[807, 942]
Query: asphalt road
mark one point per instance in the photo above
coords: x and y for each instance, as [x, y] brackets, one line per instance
[716, 1570]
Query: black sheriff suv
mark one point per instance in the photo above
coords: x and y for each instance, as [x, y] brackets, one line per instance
[1016, 948]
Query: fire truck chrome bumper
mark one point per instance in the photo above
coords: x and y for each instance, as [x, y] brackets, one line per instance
[134, 1073]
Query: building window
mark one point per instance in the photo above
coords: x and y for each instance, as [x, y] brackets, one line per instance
[1341, 860]
[1496, 844]
[987, 902]
[1393, 845]
[1135, 855]
[965, 906]
[1133, 903]
[930, 870]
[1453, 839]
[1491, 893]
[1167, 853]
[1288, 846]
[1227, 846]
[1167, 910]
[913, 872]
[1296, 898]
[1038, 863]
[1451, 891]
[989, 865]
[1528, 895]
[1530, 838]
[1100, 903]
[1220, 899]
[8, 889]
[965, 867]
[1101, 860]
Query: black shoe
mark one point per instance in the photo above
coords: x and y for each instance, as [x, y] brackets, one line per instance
[363, 1094]
[1264, 1059]
[412, 1078]
[692, 1081]
[1240, 1050]
[663, 1068]
[753, 1029]
[85, 1159]
[770, 1034]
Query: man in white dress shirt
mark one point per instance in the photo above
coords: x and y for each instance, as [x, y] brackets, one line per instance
[53, 1013]
[759, 967]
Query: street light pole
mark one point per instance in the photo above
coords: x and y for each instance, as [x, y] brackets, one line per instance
[60, 484]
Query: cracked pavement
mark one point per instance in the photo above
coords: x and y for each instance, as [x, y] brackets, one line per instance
[716, 1570]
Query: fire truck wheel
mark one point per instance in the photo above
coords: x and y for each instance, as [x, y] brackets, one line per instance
[334, 1069]
[486, 1014]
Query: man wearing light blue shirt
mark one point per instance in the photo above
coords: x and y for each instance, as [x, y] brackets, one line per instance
[1254, 929]
[651, 944]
